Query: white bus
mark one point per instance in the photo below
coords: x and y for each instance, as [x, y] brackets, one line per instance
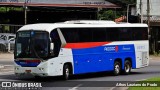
[78, 47]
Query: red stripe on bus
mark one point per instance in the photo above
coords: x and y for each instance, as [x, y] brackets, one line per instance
[84, 45]
[32, 61]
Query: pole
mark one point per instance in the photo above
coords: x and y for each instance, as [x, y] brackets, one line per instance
[152, 41]
[98, 10]
[98, 14]
[148, 15]
[25, 16]
[115, 13]
[127, 12]
[25, 12]
[141, 11]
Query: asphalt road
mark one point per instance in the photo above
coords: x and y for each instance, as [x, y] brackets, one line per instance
[97, 81]
[6, 62]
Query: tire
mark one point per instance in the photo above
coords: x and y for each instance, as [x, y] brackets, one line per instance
[127, 67]
[66, 72]
[117, 68]
[37, 77]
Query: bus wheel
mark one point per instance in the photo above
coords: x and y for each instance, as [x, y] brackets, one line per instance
[117, 68]
[37, 77]
[66, 72]
[127, 67]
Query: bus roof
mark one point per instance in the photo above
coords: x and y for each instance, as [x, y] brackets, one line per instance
[50, 26]
[90, 22]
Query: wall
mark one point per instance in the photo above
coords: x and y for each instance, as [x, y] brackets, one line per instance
[154, 7]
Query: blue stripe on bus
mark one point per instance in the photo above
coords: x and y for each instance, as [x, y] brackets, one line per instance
[101, 58]
[27, 64]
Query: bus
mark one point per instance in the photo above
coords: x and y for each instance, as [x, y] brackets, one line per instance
[80, 47]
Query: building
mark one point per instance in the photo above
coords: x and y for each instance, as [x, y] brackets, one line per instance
[49, 11]
[154, 21]
[54, 10]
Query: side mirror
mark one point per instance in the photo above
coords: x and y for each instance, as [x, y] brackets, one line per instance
[51, 46]
[51, 49]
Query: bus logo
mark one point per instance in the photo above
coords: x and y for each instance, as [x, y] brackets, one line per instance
[116, 48]
[6, 84]
[112, 48]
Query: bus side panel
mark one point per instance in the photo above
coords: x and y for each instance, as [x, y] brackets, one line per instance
[141, 49]
[101, 58]
[91, 63]
[142, 55]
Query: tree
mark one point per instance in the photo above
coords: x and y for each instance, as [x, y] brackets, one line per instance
[113, 14]
[106, 15]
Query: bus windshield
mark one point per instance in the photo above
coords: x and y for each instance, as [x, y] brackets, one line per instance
[32, 44]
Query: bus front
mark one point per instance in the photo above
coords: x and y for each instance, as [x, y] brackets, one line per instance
[31, 52]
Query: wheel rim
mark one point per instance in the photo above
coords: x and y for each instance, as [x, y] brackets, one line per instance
[127, 68]
[67, 72]
[117, 68]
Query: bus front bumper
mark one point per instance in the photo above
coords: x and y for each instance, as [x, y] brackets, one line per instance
[35, 71]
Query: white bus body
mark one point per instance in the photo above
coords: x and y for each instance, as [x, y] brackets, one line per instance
[78, 57]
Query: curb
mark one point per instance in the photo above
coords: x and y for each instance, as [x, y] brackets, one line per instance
[120, 88]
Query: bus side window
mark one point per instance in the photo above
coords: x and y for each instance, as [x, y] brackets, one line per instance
[85, 35]
[70, 34]
[125, 34]
[99, 35]
[112, 34]
[139, 34]
[144, 32]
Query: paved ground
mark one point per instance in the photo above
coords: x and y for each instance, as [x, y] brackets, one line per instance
[154, 57]
[6, 74]
[6, 62]
[6, 56]
[89, 79]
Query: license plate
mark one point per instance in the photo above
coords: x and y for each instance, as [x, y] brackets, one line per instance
[28, 71]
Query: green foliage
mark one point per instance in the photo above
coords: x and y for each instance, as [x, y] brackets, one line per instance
[109, 15]
[7, 9]
[106, 15]
[6, 28]
[3, 9]
[113, 14]
[148, 88]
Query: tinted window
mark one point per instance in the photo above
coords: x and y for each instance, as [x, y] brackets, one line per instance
[71, 35]
[57, 42]
[112, 34]
[104, 34]
[125, 34]
[32, 44]
[139, 33]
[85, 35]
[99, 35]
